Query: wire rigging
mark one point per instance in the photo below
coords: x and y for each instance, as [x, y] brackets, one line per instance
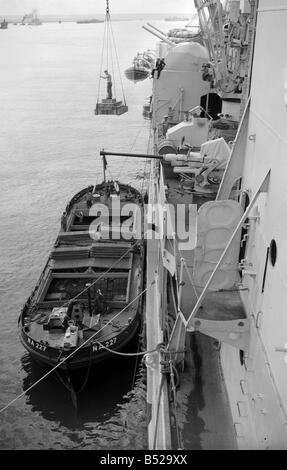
[102, 57]
[117, 59]
[109, 54]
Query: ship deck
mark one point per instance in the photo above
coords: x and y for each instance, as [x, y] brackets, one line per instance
[205, 419]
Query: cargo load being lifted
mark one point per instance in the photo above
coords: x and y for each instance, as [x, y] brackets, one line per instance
[110, 104]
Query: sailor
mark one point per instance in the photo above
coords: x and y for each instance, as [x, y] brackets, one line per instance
[160, 66]
[156, 67]
[64, 221]
[164, 125]
[238, 80]
[80, 216]
[89, 200]
[207, 73]
[186, 116]
[75, 313]
[100, 303]
[170, 115]
[117, 188]
[109, 84]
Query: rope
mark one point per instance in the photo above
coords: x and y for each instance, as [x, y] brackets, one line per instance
[114, 43]
[102, 57]
[68, 386]
[190, 279]
[136, 364]
[109, 170]
[73, 352]
[173, 387]
[157, 412]
[87, 375]
[109, 40]
[142, 353]
[112, 61]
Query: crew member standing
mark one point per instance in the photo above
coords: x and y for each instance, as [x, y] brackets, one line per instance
[164, 125]
[160, 66]
[109, 84]
[64, 221]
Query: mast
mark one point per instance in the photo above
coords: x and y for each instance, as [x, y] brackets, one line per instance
[104, 164]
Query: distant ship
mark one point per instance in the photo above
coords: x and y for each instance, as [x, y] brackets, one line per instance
[175, 18]
[89, 21]
[31, 19]
[4, 24]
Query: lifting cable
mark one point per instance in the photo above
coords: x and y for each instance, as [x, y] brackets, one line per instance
[109, 44]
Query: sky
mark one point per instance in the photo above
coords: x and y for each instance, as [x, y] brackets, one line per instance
[71, 7]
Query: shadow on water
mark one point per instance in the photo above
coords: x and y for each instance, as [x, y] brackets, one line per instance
[108, 384]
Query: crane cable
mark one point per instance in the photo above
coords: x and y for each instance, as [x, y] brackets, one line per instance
[102, 57]
[110, 43]
[117, 59]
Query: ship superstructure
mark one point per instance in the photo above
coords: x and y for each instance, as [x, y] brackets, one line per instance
[31, 19]
[217, 253]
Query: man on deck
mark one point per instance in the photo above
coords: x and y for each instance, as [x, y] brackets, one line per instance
[109, 84]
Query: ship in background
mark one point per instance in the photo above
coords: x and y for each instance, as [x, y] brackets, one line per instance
[176, 18]
[89, 21]
[31, 19]
[216, 306]
[4, 24]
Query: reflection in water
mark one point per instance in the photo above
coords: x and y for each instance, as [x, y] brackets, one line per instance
[110, 410]
[108, 382]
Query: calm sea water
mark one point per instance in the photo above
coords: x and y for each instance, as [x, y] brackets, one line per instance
[49, 149]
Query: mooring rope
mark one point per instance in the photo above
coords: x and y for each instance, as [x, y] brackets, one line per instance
[74, 352]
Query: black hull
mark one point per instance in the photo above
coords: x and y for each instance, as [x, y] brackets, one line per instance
[51, 353]
[83, 358]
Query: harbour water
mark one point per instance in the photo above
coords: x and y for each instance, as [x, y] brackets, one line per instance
[49, 149]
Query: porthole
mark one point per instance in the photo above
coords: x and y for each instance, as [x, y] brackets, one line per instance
[273, 252]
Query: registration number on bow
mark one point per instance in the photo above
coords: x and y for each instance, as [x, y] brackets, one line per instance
[36, 345]
[106, 344]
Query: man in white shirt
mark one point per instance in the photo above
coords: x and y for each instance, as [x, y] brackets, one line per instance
[109, 84]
